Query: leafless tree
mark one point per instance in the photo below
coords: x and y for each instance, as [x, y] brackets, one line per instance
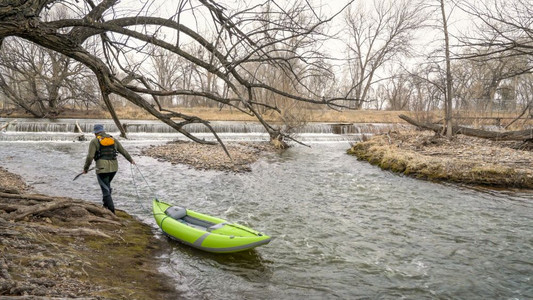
[41, 81]
[377, 35]
[502, 41]
[398, 91]
[448, 96]
[524, 97]
[166, 72]
[125, 33]
[502, 28]
[477, 83]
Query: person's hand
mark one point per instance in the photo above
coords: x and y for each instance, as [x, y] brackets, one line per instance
[84, 172]
[132, 162]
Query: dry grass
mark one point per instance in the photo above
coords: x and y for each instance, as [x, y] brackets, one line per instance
[470, 118]
[327, 116]
[464, 159]
[227, 114]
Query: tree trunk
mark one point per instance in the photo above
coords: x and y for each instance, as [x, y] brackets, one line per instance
[520, 135]
[449, 92]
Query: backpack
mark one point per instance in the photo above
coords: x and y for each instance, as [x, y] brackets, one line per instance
[107, 149]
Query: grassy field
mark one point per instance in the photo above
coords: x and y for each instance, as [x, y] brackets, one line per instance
[214, 114]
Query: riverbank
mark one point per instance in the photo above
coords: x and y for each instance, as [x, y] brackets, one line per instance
[68, 248]
[463, 159]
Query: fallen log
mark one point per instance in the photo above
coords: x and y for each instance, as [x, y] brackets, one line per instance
[520, 135]
[6, 125]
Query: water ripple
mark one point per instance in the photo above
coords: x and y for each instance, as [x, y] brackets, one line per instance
[342, 229]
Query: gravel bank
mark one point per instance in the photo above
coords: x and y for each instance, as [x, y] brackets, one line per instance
[211, 157]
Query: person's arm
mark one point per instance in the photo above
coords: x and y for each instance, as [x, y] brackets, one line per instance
[90, 156]
[124, 153]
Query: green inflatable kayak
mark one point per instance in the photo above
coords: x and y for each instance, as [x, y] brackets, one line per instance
[205, 232]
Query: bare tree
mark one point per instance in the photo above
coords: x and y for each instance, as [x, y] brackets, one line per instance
[502, 28]
[398, 91]
[524, 97]
[166, 73]
[437, 70]
[502, 39]
[448, 96]
[41, 81]
[125, 32]
[477, 83]
[377, 35]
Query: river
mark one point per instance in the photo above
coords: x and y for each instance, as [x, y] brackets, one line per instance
[341, 228]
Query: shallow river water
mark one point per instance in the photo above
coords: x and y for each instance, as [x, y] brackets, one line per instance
[341, 228]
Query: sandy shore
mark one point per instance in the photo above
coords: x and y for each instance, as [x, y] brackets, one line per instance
[67, 248]
[462, 160]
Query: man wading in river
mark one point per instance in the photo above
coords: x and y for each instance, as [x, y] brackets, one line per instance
[103, 149]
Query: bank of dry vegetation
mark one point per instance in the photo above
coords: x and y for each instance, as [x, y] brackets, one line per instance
[67, 248]
[226, 114]
[463, 159]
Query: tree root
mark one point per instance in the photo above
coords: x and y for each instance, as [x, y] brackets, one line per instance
[20, 206]
[20, 214]
[27, 197]
[68, 231]
[94, 219]
[31, 297]
[101, 212]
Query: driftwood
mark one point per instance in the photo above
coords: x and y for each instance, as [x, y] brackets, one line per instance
[9, 207]
[78, 129]
[7, 125]
[520, 135]
[93, 219]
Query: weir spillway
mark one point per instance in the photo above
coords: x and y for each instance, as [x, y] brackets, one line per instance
[66, 129]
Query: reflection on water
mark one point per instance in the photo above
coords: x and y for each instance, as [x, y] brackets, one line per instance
[341, 228]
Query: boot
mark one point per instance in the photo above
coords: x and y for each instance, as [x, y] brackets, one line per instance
[108, 203]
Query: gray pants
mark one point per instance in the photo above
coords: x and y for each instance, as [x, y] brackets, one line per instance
[104, 179]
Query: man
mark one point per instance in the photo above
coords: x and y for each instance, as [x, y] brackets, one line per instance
[103, 149]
